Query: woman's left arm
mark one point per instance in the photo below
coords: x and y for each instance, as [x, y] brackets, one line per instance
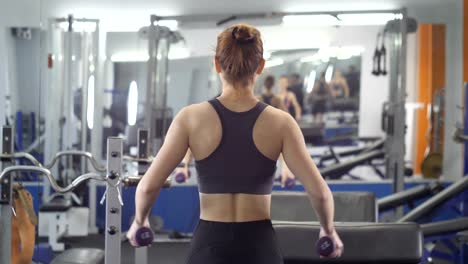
[169, 156]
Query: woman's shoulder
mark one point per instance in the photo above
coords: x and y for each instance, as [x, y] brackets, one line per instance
[198, 109]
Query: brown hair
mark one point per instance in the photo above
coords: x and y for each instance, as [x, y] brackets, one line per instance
[269, 82]
[239, 52]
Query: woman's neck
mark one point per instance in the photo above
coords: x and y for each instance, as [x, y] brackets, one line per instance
[237, 94]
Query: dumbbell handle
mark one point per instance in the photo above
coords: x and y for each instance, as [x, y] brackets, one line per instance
[325, 246]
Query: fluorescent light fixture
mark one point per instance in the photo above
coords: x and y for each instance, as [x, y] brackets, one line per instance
[356, 19]
[310, 20]
[273, 63]
[367, 19]
[73, 57]
[90, 109]
[313, 58]
[132, 103]
[171, 24]
[79, 26]
[92, 68]
[130, 56]
[329, 73]
[311, 81]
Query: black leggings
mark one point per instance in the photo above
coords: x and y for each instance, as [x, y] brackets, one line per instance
[234, 243]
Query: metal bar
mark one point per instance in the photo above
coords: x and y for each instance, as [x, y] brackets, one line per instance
[465, 130]
[400, 117]
[43, 171]
[7, 147]
[96, 132]
[141, 254]
[84, 154]
[113, 205]
[85, 51]
[395, 147]
[337, 170]
[217, 17]
[428, 206]
[408, 196]
[22, 155]
[151, 81]
[6, 189]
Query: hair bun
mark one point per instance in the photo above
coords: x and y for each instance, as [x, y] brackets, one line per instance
[242, 35]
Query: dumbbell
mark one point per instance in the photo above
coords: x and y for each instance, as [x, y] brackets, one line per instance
[325, 246]
[290, 183]
[180, 177]
[144, 236]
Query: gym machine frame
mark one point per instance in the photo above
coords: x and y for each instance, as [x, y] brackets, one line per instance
[61, 78]
[113, 179]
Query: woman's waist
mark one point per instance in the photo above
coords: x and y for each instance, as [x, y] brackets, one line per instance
[238, 207]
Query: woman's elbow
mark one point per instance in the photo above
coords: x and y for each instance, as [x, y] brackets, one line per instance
[146, 189]
[323, 195]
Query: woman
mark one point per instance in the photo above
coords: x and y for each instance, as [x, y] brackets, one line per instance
[339, 86]
[288, 98]
[235, 140]
[319, 97]
[268, 97]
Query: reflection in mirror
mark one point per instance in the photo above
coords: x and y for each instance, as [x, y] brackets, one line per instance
[21, 130]
[70, 87]
[22, 104]
[326, 85]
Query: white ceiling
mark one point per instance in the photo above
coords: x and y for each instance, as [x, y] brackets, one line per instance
[30, 12]
[190, 7]
[127, 14]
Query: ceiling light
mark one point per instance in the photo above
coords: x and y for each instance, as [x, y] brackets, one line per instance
[367, 19]
[310, 20]
[132, 103]
[90, 109]
[311, 81]
[329, 73]
[129, 56]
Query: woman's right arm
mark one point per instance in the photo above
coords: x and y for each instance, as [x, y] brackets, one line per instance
[303, 167]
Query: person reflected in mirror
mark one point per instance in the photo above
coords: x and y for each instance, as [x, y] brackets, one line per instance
[296, 86]
[339, 86]
[319, 97]
[353, 80]
[288, 98]
[267, 96]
